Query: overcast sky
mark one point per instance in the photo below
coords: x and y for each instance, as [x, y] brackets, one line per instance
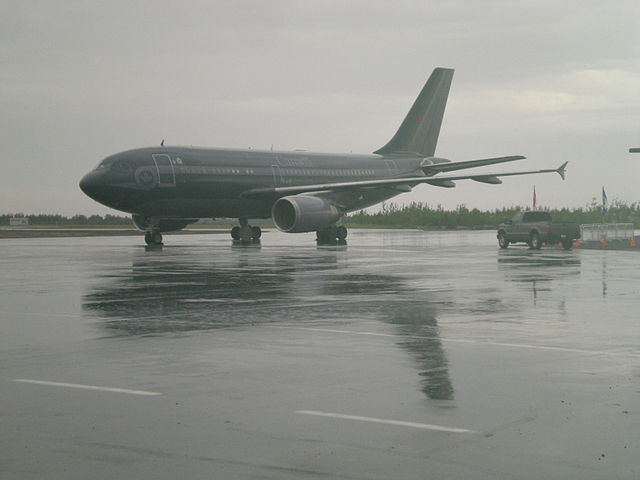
[551, 80]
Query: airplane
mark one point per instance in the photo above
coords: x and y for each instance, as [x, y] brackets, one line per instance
[167, 188]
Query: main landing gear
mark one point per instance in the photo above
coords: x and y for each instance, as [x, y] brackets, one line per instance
[334, 235]
[153, 238]
[245, 233]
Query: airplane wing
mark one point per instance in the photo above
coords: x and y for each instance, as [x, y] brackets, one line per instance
[439, 181]
[433, 168]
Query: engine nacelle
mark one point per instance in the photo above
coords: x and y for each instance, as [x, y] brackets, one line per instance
[303, 213]
[162, 225]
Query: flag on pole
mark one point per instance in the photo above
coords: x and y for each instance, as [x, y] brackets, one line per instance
[534, 197]
[605, 208]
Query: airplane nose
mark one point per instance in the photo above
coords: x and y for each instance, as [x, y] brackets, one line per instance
[90, 184]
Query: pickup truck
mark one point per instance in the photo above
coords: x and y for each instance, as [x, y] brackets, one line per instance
[536, 228]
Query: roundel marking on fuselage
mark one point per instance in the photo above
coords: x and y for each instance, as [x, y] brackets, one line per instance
[146, 177]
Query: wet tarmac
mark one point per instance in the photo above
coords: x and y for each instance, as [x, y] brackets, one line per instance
[403, 354]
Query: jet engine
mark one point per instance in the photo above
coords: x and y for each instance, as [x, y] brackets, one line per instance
[161, 225]
[303, 213]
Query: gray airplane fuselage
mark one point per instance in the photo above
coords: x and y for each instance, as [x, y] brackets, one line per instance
[186, 182]
[167, 188]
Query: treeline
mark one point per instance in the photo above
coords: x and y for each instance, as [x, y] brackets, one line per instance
[84, 220]
[422, 215]
[413, 215]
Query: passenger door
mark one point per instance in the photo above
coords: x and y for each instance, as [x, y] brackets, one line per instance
[166, 172]
[392, 167]
[278, 181]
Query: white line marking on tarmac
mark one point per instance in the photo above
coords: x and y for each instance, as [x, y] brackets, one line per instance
[86, 387]
[423, 426]
[41, 314]
[476, 342]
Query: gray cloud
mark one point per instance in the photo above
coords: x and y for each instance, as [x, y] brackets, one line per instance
[554, 81]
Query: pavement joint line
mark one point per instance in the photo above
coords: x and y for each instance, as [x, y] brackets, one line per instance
[86, 387]
[475, 342]
[399, 423]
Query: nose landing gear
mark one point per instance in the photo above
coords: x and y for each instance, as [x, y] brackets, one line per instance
[153, 238]
[245, 233]
[334, 235]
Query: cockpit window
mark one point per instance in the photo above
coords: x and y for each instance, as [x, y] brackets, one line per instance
[122, 166]
[115, 165]
[105, 164]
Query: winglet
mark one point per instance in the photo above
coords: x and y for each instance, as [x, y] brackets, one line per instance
[561, 170]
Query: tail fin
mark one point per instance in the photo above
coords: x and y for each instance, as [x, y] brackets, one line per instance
[420, 129]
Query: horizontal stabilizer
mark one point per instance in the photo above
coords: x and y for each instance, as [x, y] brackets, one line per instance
[430, 168]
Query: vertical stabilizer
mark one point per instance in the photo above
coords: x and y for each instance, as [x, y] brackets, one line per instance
[420, 129]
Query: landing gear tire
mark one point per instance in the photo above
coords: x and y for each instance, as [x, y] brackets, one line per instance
[502, 240]
[245, 233]
[331, 235]
[326, 236]
[153, 238]
[534, 241]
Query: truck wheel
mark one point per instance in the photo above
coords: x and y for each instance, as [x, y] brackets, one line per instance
[502, 240]
[534, 241]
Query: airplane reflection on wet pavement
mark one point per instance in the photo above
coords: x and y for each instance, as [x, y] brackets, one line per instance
[164, 294]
